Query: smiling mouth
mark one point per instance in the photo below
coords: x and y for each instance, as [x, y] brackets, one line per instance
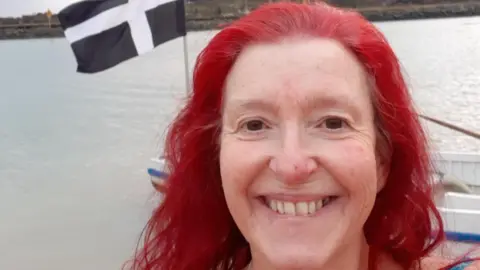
[299, 208]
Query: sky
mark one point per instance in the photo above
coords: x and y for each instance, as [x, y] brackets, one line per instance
[24, 7]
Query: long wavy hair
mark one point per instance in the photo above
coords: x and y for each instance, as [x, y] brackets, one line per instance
[192, 228]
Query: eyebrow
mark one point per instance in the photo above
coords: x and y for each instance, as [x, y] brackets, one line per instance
[331, 101]
[308, 105]
[253, 104]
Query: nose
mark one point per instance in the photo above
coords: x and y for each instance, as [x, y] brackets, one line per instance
[293, 164]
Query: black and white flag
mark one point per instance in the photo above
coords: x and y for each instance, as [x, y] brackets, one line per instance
[104, 33]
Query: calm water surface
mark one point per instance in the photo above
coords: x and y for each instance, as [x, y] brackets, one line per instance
[74, 193]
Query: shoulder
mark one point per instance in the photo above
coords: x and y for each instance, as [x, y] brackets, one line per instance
[473, 266]
[434, 263]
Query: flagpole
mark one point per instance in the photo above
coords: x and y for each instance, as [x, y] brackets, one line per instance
[185, 51]
[185, 56]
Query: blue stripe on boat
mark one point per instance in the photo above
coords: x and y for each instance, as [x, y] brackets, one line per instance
[157, 173]
[461, 266]
[463, 237]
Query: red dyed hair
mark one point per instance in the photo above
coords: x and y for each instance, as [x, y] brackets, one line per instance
[192, 229]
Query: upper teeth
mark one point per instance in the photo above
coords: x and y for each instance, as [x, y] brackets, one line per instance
[297, 208]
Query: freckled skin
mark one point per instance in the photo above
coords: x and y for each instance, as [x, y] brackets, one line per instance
[293, 89]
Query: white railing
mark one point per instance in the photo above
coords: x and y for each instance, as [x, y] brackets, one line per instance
[463, 166]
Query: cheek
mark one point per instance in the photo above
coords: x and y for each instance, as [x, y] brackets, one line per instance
[234, 165]
[238, 169]
[241, 163]
[229, 171]
[356, 170]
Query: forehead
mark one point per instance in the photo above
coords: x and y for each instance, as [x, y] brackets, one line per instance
[297, 70]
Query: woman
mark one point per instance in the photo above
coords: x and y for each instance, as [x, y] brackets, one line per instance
[298, 149]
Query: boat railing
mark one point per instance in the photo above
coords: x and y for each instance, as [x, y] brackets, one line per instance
[464, 166]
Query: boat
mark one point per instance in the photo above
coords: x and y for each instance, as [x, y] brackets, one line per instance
[458, 197]
[459, 203]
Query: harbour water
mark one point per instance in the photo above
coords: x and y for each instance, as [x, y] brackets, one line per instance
[74, 193]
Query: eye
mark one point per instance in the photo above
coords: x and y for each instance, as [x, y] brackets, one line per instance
[254, 125]
[333, 123]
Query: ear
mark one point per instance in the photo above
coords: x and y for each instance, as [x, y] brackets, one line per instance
[159, 185]
[384, 154]
[383, 170]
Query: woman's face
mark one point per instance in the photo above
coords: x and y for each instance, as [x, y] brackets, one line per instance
[297, 159]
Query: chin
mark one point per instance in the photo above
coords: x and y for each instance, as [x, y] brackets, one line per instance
[297, 257]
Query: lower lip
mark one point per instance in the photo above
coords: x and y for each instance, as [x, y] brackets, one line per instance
[323, 211]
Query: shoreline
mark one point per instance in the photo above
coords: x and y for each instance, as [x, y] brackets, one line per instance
[204, 17]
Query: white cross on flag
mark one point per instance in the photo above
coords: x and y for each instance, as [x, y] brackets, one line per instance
[104, 33]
